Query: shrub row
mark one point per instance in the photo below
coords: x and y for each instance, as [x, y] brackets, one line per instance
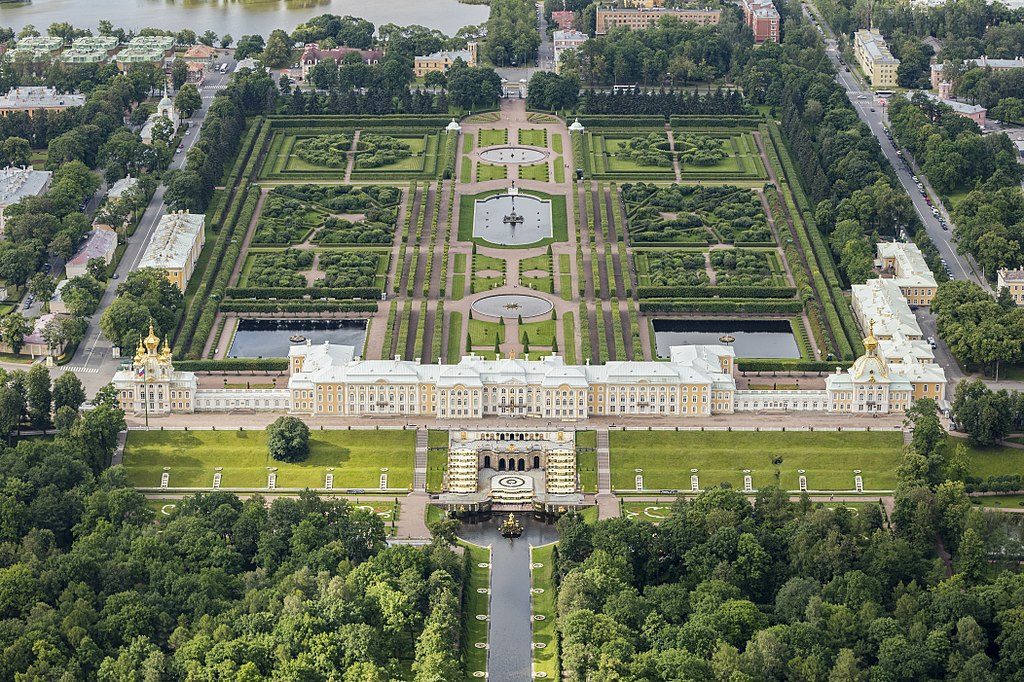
[786, 365]
[222, 267]
[721, 306]
[394, 120]
[995, 484]
[451, 153]
[733, 121]
[303, 292]
[613, 121]
[298, 306]
[234, 365]
[709, 291]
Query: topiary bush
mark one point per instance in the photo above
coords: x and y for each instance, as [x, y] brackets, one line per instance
[329, 151]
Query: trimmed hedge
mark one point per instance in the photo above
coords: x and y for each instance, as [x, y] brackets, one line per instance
[298, 306]
[303, 292]
[714, 292]
[1005, 483]
[733, 121]
[722, 306]
[616, 121]
[787, 365]
[327, 121]
[234, 365]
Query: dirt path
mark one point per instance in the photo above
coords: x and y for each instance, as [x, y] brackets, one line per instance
[676, 166]
[352, 157]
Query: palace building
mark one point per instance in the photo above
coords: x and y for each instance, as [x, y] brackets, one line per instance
[328, 380]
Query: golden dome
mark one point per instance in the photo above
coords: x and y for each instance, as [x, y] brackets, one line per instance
[870, 342]
[151, 342]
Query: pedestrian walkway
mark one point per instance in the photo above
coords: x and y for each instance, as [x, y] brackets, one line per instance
[607, 503]
[412, 517]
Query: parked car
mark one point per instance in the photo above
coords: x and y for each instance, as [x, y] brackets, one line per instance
[931, 341]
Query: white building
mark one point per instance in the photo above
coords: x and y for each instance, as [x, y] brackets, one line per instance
[175, 246]
[875, 59]
[909, 270]
[566, 40]
[878, 304]
[118, 189]
[32, 98]
[18, 183]
[164, 110]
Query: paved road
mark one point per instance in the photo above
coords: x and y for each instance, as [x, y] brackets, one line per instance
[873, 114]
[94, 362]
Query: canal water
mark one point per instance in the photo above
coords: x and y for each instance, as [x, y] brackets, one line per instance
[237, 17]
[272, 338]
[510, 635]
[753, 338]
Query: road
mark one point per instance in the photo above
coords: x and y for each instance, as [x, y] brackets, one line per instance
[873, 114]
[94, 362]
[545, 56]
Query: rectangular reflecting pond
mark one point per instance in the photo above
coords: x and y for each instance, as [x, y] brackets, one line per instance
[273, 338]
[754, 338]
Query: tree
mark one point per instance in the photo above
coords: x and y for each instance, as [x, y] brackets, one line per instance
[68, 392]
[124, 322]
[970, 556]
[13, 329]
[208, 38]
[288, 440]
[278, 52]
[248, 46]
[179, 74]
[225, 41]
[40, 400]
[188, 100]
[15, 151]
[982, 413]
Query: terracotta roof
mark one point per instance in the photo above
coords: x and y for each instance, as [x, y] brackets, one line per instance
[200, 52]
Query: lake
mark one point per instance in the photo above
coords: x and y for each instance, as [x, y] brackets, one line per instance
[272, 338]
[754, 338]
[237, 17]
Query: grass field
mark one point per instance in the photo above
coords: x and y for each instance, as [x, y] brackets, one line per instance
[533, 137]
[357, 458]
[586, 467]
[487, 171]
[828, 458]
[543, 603]
[477, 603]
[997, 461]
[537, 171]
[490, 137]
[1000, 502]
[455, 345]
[655, 512]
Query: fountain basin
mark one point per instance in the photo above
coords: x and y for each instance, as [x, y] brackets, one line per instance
[492, 219]
[512, 306]
[512, 155]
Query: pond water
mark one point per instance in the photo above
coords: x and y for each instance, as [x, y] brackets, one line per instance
[754, 338]
[510, 635]
[272, 338]
[237, 17]
[512, 306]
[512, 219]
[512, 155]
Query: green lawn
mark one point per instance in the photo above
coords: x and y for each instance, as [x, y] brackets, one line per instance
[828, 457]
[483, 333]
[537, 171]
[455, 347]
[533, 137]
[997, 461]
[490, 137]
[487, 171]
[357, 457]
[655, 512]
[477, 603]
[556, 143]
[559, 170]
[586, 467]
[467, 170]
[541, 333]
[1000, 502]
[542, 578]
[559, 218]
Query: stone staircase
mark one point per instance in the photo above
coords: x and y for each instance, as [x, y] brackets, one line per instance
[419, 475]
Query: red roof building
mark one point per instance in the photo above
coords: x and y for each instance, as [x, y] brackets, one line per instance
[313, 55]
[563, 19]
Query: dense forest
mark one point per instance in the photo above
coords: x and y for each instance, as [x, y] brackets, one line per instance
[778, 590]
[91, 587]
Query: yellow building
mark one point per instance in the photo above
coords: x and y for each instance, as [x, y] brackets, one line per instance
[151, 385]
[175, 246]
[1013, 280]
[906, 265]
[642, 18]
[875, 59]
[442, 61]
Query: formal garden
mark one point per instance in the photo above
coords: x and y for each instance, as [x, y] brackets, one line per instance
[695, 214]
[328, 214]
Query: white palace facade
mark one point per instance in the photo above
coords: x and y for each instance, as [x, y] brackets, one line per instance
[330, 381]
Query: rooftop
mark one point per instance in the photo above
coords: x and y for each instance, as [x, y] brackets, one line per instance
[37, 96]
[121, 186]
[172, 240]
[450, 55]
[911, 268]
[880, 303]
[98, 243]
[875, 47]
[18, 183]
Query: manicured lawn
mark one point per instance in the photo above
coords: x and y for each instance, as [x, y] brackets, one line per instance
[828, 458]
[534, 138]
[569, 334]
[541, 333]
[467, 169]
[654, 512]
[556, 143]
[559, 219]
[476, 604]
[357, 457]
[487, 171]
[483, 333]
[437, 464]
[542, 578]
[490, 137]
[1000, 502]
[997, 461]
[559, 170]
[586, 467]
[455, 346]
[537, 171]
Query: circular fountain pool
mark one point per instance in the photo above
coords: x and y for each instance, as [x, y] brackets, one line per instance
[512, 155]
[511, 306]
